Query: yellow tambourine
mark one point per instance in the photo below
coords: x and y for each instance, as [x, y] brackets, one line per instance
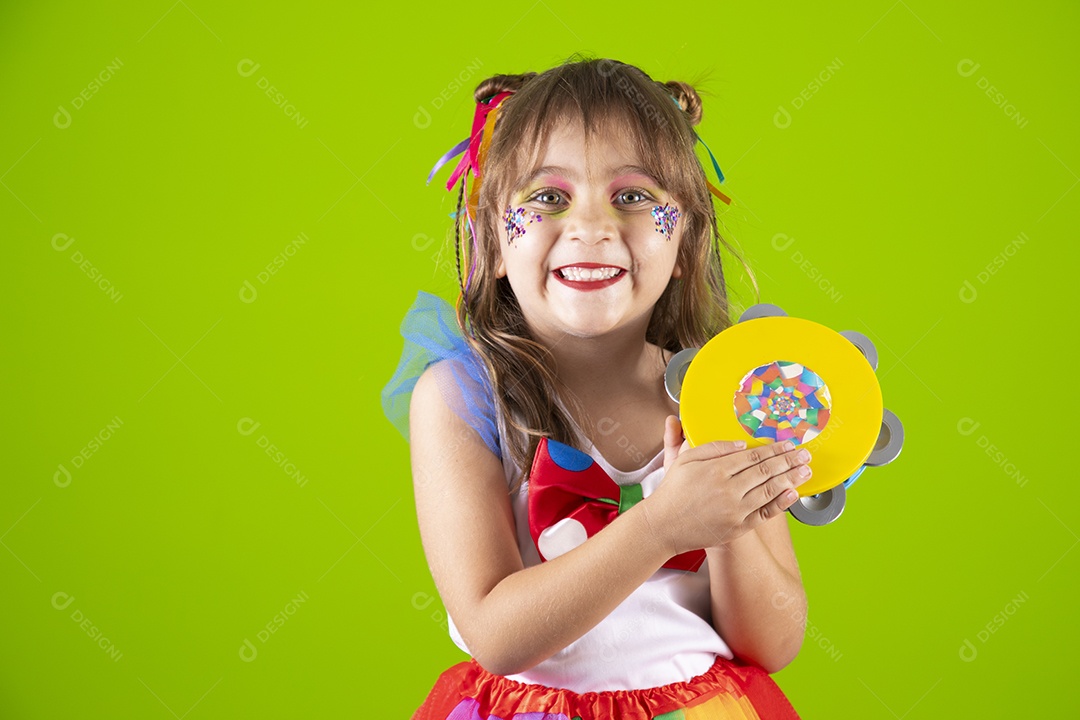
[771, 378]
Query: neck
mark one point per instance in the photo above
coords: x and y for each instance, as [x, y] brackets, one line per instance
[600, 369]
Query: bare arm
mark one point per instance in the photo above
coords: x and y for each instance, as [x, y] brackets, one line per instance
[510, 617]
[757, 597]
[758, 600]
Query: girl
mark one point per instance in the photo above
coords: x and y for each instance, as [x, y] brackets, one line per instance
[580, 584]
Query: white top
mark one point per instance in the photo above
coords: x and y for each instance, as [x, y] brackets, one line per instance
[658, 635]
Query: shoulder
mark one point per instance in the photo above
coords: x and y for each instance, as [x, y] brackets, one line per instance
[458, 391]
[434, 407]
[441, 433]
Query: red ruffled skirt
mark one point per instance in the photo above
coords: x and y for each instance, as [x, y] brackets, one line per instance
[730, 689]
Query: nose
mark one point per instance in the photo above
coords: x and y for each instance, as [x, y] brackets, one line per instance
[591, 221]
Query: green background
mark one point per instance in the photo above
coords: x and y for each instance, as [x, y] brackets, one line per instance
[200, 278]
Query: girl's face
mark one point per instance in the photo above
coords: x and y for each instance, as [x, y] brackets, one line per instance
[590, 243]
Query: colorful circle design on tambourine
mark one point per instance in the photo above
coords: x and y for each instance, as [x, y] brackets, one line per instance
[782, 400]
[840, 444]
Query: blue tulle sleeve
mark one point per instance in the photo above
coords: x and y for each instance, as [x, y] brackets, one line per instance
[432, 336]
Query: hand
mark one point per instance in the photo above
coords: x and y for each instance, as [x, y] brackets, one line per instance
[716, 492]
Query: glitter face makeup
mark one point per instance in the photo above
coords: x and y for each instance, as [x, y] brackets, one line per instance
[516, 219]
[666, 217]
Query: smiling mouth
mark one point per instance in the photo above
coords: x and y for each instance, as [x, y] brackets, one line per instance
[588, 274]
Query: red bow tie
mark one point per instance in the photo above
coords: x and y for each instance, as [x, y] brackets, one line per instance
[571, 499]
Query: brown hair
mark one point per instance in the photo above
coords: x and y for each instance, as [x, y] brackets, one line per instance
[603, 93]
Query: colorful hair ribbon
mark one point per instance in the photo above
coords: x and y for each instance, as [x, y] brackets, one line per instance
[450, 154]
[712, 188]
[473, 151]
[480, 131]
[716, 166]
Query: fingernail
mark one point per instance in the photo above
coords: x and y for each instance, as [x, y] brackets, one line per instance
[740, 444]
[803, 455]
[789, 445]
[804, 471]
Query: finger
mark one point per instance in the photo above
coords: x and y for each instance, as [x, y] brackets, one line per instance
[758, 464]
[675, 443]
[711, 450]
[775, 505]
[672, 440]
[773, 477]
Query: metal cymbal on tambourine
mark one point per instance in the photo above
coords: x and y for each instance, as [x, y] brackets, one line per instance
[676, 371]
[820, 509]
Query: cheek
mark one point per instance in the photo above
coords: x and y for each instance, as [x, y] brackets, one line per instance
[666, 218]
[515, 220]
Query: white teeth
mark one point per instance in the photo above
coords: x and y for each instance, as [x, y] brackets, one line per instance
[588, 274]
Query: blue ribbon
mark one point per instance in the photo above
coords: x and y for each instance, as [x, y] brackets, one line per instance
[716, 165]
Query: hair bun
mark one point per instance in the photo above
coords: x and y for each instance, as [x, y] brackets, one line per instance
[687, 98]
[501, 83]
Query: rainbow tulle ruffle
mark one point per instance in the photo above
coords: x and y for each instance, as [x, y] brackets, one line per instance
[729, 690]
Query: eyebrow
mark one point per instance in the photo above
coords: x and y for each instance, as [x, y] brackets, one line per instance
[556, 170]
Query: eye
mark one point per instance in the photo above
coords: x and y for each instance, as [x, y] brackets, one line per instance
[546, 196]
[638, 196]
